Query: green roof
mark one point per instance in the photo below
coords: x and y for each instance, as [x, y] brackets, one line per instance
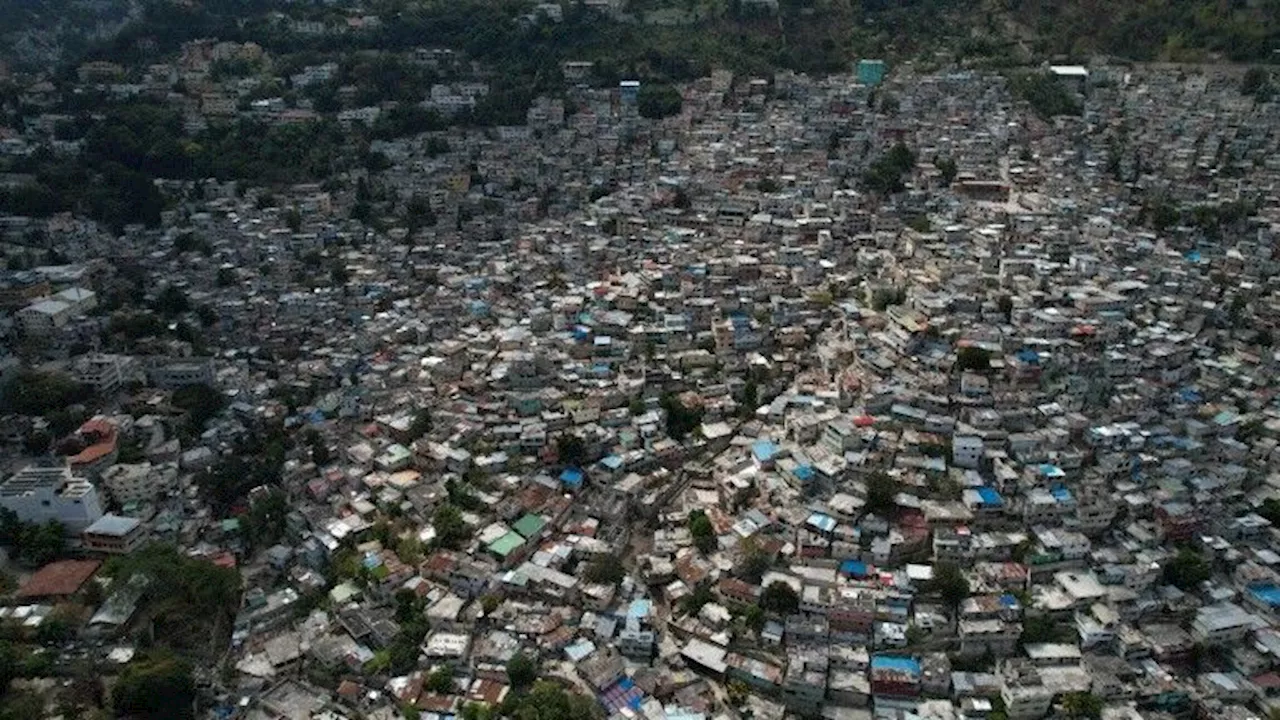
[506, 544]
[231, 525]
[529, 525]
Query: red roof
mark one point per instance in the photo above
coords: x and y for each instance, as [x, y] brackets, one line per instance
[59, 579]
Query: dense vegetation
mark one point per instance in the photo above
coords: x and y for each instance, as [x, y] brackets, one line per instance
[133, 144]
[190, 601]
[32, 543]
[156, 686]
[1045, 93]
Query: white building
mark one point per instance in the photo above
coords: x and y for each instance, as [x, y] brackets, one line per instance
[44, 317]
[40, 494]
[106, 373]
[138, 482]
[1025, 695]
[80, 300]
[1222, 624]
[173, 373]
[114, 535]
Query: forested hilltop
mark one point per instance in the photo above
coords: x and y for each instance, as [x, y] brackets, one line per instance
[106, 143]
[803, 35]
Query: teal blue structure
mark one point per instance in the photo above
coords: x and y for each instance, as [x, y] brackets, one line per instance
[871, 72]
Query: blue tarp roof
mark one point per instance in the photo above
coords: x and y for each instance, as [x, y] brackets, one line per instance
[1060, 493]
[825, 523]
[1193, 256]
[1269, 594]
[571, 477]
[1029, 356]
[989, 496]
[854, 568]
[804, 472]
[1008, 601]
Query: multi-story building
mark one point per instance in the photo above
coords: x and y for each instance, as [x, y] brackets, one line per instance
[114, 535]
[173, 373]
[38, 494]
[138, 482]
[1024, 693]
[42, 318]
[1222, 624]
[805, 684]
[106, 373]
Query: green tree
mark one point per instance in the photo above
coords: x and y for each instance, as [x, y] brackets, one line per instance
[606, 569]
[549, 701]
[780, 598]
[1079, 705]
[158, 686]
[950, 584]
[1005, 304]
[658, 100]
[973, 358]
[202, 403]
[884, 176]
[704, 534]
[35, 392]
[694, 601]
[1270, 509]
[1257, 84]
[522, 670]
[451, 530]
[421, 424]
[1187, 570]
[440, 681]
[753, 561]
[881, 491]
[571, 450]
[681, 420]
[750, 398]
[947, 169]
[265, 522]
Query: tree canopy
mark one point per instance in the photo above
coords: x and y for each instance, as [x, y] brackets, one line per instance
[881, 491]
[548, 701]
[157, 686]
[704, 534]
[658, 100]
[1187, 570]
[950, 583]
[779, 597]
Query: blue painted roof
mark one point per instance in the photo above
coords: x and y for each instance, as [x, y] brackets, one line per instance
[1050, 470]
[804, 473]
[1269, 594]
[825, 523]
[1060, 493]
[893, 662]
[1008, 601]
[613, 462]
[640, 608]
[1029, 356]
[854, 568]
[764, 450]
